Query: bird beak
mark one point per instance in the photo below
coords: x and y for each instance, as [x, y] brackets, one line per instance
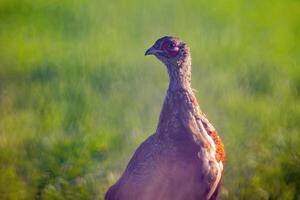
[151, 51]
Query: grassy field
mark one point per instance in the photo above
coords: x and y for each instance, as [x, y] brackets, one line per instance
[77, 96]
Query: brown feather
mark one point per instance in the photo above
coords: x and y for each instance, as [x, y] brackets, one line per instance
[184, 158]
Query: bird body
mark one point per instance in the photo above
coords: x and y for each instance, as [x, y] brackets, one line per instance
[183, 159]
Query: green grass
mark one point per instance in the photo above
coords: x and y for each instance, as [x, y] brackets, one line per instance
[77, 96]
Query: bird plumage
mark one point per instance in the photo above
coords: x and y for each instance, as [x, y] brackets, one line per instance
[184, 158]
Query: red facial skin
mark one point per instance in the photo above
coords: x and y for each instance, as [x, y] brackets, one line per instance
[170, 47]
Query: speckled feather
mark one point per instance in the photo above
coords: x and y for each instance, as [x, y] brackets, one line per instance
[184, 158]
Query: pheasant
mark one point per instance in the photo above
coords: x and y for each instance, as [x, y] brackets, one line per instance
[183, 159]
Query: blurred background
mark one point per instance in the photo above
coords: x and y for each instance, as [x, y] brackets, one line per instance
[77, 95]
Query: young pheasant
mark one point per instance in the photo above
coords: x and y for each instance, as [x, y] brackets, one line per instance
[184, 159]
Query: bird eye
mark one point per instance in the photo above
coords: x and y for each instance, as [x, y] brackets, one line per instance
[171, 45]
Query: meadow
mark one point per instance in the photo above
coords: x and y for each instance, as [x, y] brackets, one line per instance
[77, 95]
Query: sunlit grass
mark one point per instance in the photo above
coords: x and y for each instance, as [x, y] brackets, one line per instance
[77, 96]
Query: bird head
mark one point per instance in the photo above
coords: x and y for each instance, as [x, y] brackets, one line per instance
[169, 50]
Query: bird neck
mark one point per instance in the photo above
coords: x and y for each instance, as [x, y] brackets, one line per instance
[179, 74]
[179, 93]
